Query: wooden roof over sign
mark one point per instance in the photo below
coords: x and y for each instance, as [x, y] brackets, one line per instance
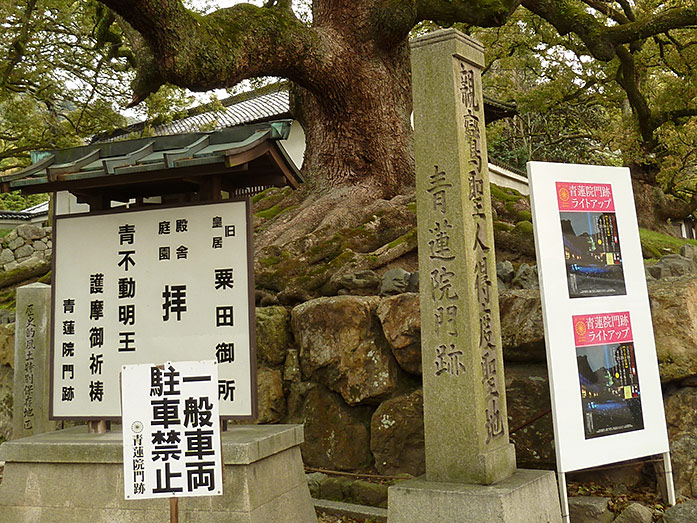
[242, 159]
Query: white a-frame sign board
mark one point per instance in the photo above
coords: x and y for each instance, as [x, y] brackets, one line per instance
[605, 388]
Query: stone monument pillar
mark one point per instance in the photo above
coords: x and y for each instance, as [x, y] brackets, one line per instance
[466, 426]
[460, 332]
[32, 362]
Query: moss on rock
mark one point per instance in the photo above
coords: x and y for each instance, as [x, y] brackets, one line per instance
[524, 228]
[502, 226]
[524, 216]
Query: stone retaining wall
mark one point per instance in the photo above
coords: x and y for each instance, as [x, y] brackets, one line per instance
[349, 367]
[24, 245]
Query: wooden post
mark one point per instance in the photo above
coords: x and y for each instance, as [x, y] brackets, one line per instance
[173, 510]
[97, 426]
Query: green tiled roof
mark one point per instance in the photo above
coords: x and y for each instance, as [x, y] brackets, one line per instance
[244, 156]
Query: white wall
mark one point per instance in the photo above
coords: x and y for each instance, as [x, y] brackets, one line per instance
[295, 144]
[505, 178]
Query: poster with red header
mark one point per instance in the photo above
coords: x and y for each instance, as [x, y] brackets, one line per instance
[591, 240]
[607, 374]
[605, 388]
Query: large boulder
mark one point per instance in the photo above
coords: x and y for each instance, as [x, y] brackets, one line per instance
[672, 265]
[14, 243]
[401, 323]
[365, 282]
[525, 278]
[342, 347]
[674, 311]
[6, 256]
[681, 513]
[273, 334]
[394, 281]
[24, 252]
[337, 436]
[527, 398]
[673, 307]
[505, 271]
[271, 401]
[522, 330]
[689, 251]
[635, 513]
[397, 435]
[681, 416]
[590, 509]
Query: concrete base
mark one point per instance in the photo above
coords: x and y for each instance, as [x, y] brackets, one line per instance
[529, 496]
[72, 477]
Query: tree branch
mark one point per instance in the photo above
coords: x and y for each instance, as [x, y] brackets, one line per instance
[627, 8]
[222, 48]
[627, 78]
[15, 152]
[672, 116]
[19, 44]
[571, 16]
[653, 25]
[477, 13]
[608, 11]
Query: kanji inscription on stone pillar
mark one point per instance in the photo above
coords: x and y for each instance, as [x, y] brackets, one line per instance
[466, 427]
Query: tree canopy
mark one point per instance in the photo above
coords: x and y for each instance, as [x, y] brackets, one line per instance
[578, 102]
[55, 85]
[594, 80]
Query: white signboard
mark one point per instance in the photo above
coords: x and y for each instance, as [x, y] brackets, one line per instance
[171, 430]
[605, 387]
[153, 285]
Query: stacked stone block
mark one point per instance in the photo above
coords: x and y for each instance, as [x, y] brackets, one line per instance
[24, 246]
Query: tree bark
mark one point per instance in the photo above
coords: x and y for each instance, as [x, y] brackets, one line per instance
[361, 133]
[351, 70]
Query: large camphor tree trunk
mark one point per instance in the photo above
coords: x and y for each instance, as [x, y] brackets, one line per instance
[350, 67]
[358, 133]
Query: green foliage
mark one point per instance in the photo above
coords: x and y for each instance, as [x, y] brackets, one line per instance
[169, 103]
[524, 228]
[502, 226]
[8, 299]
[565, 100]
[263, 194]
[410, 236]
[16, 201]
[273, 211]
[654, 244]
[58, 83]
[635, 109]
[524, 216]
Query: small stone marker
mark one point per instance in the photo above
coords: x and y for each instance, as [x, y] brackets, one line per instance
[32, 365]
[464, 389]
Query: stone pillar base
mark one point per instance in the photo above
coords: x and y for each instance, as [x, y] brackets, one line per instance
[72, 476]
[528, 496]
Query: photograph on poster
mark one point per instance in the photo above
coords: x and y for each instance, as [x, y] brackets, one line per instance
[607, 373]
[591, 240]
